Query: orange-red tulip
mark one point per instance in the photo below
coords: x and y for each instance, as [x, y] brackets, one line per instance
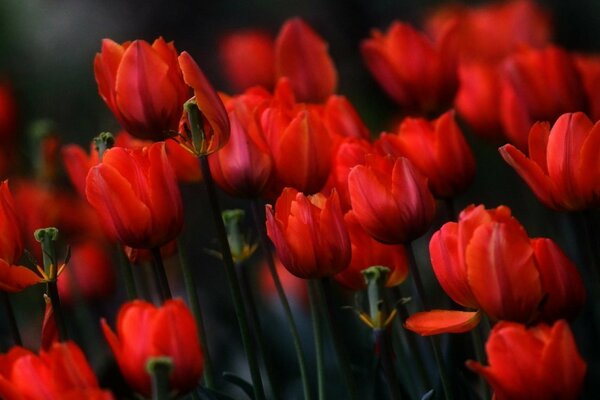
[135, 193]
[437, 149]
[589, 71]
[60, 373]
[145, 331]
[367, 252]
[537, 363]
[13, 278]
[309, 234]
[142, 85]
[248, 59]
[562, 169]
[413, 70]
[390, 199]
[486, 261]
[342, 120]
[301, 56]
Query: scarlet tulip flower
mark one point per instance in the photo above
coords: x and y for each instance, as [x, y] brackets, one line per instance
[309, 234]
[78, 163]
[296, 129]
[589, 71]
[13, 278]
[342, 120]
[415, 72]
[437, 149]
[145, 331]
[562, 166]
[213, 116]
[135, 194]
[537, 363]
[142, 85]
[486, 261]
[60, 373]
[248, 59]
[301, 56]
[390, 199]
[295, 288]
[538, 85]
[367, 252]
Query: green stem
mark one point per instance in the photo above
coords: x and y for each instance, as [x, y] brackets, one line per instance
[12, 320]
[159, 369]
[313, 297]
[192, 293]
[126, 273]
[326, 304]
[416, 274]
[61, 326]
[441, 368]
[480, 357]
[282, 298]
[234, 285]
[162, 282]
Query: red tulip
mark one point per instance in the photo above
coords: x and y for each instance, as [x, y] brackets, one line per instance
[309, 234]
[135, 193]
[367, 252]
[248, 59]
[535, 363]
[486, 261]
[78, 163]
[437, 149]
[342, 120]
[589, 71]
[295, 288]
[142, 85]
[60, 373]
[301, 56]
[410, 68]
[145, 331]
[13, 278]
[390, 199]
[538, 85]
[213, 117]
[562, 169]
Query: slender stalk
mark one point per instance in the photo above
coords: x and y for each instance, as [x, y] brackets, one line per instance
[162, 282]
[480, 357]
[159, 369]
[326, 304]
[61, 326]
[192, 293]
[313, 296]
[127, 274]
[12, 320]
[234, 284]
[282, 298]
[427, 306]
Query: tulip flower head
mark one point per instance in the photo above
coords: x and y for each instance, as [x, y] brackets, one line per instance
[135, 193]
[142, 85]
[144, 332]
[562, 168]
[537, 363]
[309, 234]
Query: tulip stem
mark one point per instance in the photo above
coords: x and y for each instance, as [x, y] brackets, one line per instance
[480, 357]
[126, 274]
[234, 285]
[313, 295]
[192, 293]
[12, 320]
[282, 297]
[159, 369]
[52, 292]
[160, 275]
[414, 269]
[326, 304]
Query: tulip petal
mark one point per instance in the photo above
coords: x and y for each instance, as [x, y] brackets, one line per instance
[436, 322]
[14, 278]
[106, 65]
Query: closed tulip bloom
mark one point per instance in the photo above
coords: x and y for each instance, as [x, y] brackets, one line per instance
[135, 194]
[145, 331]
[437, 149]
[390, 199]
[301, 55]
[562, 168]
[60, 373]
[248, 59]
[486, 261]
[309, 234]
[77, 164]
[142, 85]
[368, 252]
[13, 278]
[538, 85]
[342, 120]
[411, 68]
[537, 363]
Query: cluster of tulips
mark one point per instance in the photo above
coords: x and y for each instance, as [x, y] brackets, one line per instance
[334, 206]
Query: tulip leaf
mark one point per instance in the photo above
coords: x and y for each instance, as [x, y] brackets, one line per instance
[239, 382]
[429, 395]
